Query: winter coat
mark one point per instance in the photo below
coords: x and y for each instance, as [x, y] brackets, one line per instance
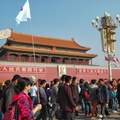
[103, 94]
[118, 90]
[74, 88]
[67, 103]
[86, 95]
[54, 94]
[81, 94]
[48, 93]
[8, 92]
[25, 106]
[93, 92]
[42, 95]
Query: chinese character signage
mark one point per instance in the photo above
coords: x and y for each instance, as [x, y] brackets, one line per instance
[22, 69]
[92, 70]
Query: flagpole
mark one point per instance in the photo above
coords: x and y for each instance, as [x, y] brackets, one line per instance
[23, 15]
[33, 48]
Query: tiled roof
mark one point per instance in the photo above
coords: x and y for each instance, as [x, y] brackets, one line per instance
[49, 41]
[47, 51]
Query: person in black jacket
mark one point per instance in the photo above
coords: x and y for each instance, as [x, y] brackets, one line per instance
[9, 91]
[81, 84]
[1, 97]
[103, 95]
[1, 92]
[68, 106]
[74, 87]
[61, 84]
[86, 96]
[54, 94]
[93, 97]
[43, 100]
[118, 92]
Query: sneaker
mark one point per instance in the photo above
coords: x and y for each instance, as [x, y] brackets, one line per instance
[114, 111]
[100, 116]
[86, 115]
[90, 114]
[93, 118]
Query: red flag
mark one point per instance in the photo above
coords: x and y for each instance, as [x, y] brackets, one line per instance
[117, 60]
[113, 60]
[106, 58]
[24, 13]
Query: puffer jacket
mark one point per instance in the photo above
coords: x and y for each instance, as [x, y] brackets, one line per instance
[24, 106]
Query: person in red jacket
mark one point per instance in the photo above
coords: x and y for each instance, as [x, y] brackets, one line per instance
[25, 108]
[68, 106]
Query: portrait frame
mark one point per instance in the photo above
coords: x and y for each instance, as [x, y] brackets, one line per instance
[61, 70]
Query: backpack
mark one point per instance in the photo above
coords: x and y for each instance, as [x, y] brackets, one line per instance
[11, 112]
[93, 94]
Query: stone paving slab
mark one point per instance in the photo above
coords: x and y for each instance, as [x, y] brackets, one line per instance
[113, 116]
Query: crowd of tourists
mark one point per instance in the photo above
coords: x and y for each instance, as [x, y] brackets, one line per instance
[60, 99]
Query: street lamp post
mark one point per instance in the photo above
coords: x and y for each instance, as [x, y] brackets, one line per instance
[106, 25]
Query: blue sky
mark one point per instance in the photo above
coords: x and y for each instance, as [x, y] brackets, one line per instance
[63, 19]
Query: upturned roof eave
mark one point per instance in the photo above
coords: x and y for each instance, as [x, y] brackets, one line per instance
[17, 36]
[84, 49]
[49, 52]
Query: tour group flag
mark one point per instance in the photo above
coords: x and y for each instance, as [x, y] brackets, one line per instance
[106, 58]
[24, 13]
[117, 60]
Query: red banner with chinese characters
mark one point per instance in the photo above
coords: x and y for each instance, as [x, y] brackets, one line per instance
[102, 71]
[22, 69]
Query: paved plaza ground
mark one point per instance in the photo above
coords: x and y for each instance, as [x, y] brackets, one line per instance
[113, 116]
